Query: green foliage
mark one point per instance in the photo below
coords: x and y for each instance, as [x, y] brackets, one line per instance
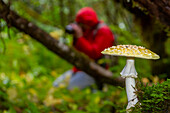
[28, 69]
[36, 95]
[27, 72]
[153, 99]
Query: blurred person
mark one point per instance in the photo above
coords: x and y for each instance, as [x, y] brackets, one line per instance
[91, 36]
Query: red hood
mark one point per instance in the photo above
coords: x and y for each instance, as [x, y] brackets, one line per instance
[87, 16]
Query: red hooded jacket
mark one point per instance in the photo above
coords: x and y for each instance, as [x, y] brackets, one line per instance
[92, 43]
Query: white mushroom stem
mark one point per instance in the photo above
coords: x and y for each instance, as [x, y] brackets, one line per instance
[129, 73]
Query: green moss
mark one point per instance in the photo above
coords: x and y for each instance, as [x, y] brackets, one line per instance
[153, 99]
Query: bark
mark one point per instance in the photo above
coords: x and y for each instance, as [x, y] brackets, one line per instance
[62, 14]
[71, 6]
[157, 8]
[68, 53]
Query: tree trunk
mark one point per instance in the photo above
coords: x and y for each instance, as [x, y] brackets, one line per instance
[160, 9]
[153, 33]
[71, 6]
[68, 53]
[62, 14]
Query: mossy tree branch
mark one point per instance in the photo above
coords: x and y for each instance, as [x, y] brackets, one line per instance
[68, 53]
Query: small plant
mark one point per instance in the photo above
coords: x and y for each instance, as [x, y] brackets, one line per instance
[153, 99]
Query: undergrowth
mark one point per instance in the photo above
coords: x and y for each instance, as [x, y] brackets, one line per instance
[153, 99]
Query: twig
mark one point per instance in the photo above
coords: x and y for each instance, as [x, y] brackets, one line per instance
[3, 42]
[8, 31]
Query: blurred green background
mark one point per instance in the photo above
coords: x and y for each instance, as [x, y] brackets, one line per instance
[28, 69]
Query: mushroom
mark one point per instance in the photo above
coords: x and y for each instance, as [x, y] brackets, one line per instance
[129, 71]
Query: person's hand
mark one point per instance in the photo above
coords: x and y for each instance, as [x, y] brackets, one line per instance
[77, 30]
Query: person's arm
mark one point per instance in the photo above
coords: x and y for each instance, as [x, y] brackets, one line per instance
[77, 31]
[103, 39]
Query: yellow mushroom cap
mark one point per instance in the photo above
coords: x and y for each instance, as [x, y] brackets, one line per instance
[131, 51]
